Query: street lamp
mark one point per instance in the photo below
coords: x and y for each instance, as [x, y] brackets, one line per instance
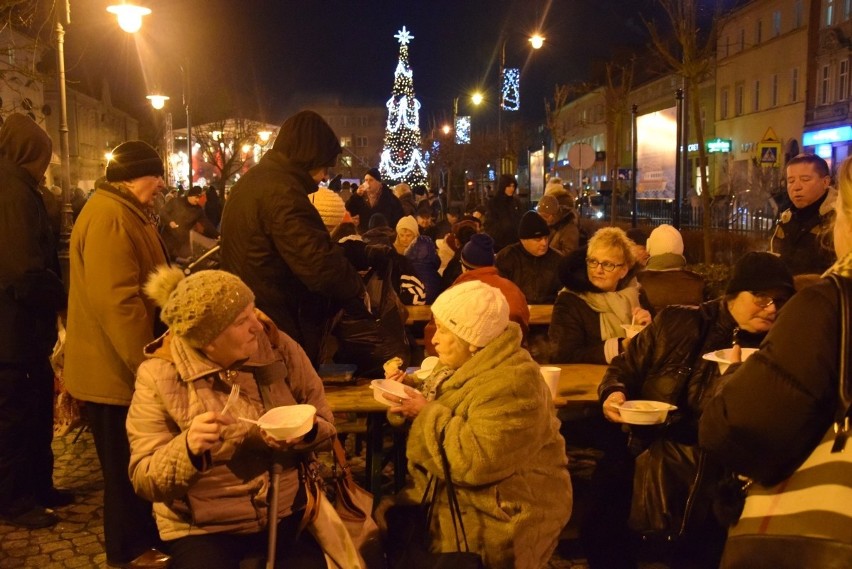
[130, 20]
[510, 88]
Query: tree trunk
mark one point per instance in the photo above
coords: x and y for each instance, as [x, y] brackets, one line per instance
[702, 167]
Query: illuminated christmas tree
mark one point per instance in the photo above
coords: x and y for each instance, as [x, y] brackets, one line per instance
[402, 159]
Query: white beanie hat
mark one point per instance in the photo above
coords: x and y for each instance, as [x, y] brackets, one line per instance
[473, 311]
[664, 239]
[408, 222]
[329, 205]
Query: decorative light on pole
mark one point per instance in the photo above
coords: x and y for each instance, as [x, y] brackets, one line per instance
[510, 89]
[157, 101]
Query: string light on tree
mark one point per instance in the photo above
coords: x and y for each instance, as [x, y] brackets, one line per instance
[402, 159]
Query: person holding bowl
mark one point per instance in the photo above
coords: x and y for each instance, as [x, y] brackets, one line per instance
[487, 400]
[207, 473]
[600, 297]
[664, 363]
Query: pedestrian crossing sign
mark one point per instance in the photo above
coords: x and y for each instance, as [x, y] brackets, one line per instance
[768, 153]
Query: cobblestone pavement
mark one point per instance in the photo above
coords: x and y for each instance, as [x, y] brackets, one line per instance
[77, 540]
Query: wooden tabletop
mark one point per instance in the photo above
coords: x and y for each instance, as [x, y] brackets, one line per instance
[539, 313]
[578, 386]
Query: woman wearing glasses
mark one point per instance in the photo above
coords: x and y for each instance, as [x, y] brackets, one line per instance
[598, 299]
[664, 363]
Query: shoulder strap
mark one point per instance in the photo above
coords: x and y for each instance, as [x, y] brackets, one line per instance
[844, 385]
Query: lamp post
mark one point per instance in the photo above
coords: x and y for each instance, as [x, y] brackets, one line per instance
[536, 41]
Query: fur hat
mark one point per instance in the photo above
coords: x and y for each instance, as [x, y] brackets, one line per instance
[664, 239]
[474, 311]
[532, 225]
[201, 306]
[374, 173]
[548, 205]
[329, 205]
[479, 251]
[133, 159]
[408, 222]
[760, 271]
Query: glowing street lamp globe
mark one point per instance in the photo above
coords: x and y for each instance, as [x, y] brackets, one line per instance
[129, 16]
[536, 41]
[157, 101]
[476, 98]
[446, 128]
[264, 135]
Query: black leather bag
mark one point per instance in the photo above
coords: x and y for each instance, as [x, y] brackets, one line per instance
[668, 490]
[407, 546]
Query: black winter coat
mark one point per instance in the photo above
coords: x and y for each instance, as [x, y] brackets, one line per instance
[274, 239]
[537, 277]
[575, 329]
[388, 205]
[31, 291]
[772, 410]
[502, 217]
[663, 362]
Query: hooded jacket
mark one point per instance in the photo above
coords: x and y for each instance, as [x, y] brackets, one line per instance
[226, 491]
[505, 453]
[502, 217]
[115, 245]
[423, 258]
[31, 290]
[274, 239]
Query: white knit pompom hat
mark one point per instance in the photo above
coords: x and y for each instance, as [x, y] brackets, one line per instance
[329, 205]
[473, 311]
[664, 239]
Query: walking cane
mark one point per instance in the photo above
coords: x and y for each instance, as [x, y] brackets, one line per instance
[275, 479]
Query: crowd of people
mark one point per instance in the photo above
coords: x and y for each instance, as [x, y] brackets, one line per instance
[165, 363]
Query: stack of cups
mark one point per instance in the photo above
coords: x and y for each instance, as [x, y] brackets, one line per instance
[551, 376]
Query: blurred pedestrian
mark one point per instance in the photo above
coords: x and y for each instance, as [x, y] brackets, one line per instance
[503, 213]
[31, 296]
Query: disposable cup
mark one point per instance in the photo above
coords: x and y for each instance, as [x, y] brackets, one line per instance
[551, 375]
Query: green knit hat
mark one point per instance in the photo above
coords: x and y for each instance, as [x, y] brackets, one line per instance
[201, 306]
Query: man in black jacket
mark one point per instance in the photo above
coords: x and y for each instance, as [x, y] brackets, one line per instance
[31, 295]
[372, 197]
[274, 239]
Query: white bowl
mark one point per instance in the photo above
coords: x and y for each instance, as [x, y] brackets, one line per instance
[288, 421]
[632, 329]
[723, 357]
[390, 387]
[640, 412]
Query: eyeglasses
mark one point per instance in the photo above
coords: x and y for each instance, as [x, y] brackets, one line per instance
[764, 300]
[607, 266]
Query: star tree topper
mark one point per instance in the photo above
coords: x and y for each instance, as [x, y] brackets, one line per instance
[404, 36]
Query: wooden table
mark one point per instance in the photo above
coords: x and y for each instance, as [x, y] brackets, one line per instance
[539, 313]
[578, 397]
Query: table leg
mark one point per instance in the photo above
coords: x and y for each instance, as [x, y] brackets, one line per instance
[375, 454]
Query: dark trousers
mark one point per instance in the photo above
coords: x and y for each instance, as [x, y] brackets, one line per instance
[26, 433]
[227, 550]
[129, 527]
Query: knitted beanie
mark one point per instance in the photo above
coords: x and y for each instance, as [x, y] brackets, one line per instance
[760, 271]
[329, 205]
[133, 159]
[374, 173]
[532, 225]
[408, 222]
[474, 311]
[548, 205]
[664, 239]
[201, 306]
[479, 251]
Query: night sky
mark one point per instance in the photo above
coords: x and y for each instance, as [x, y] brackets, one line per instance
[266, 58]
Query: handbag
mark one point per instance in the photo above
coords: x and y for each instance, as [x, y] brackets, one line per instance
[354, 506]
[407, 544]
[805, 520]
[667, 485]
